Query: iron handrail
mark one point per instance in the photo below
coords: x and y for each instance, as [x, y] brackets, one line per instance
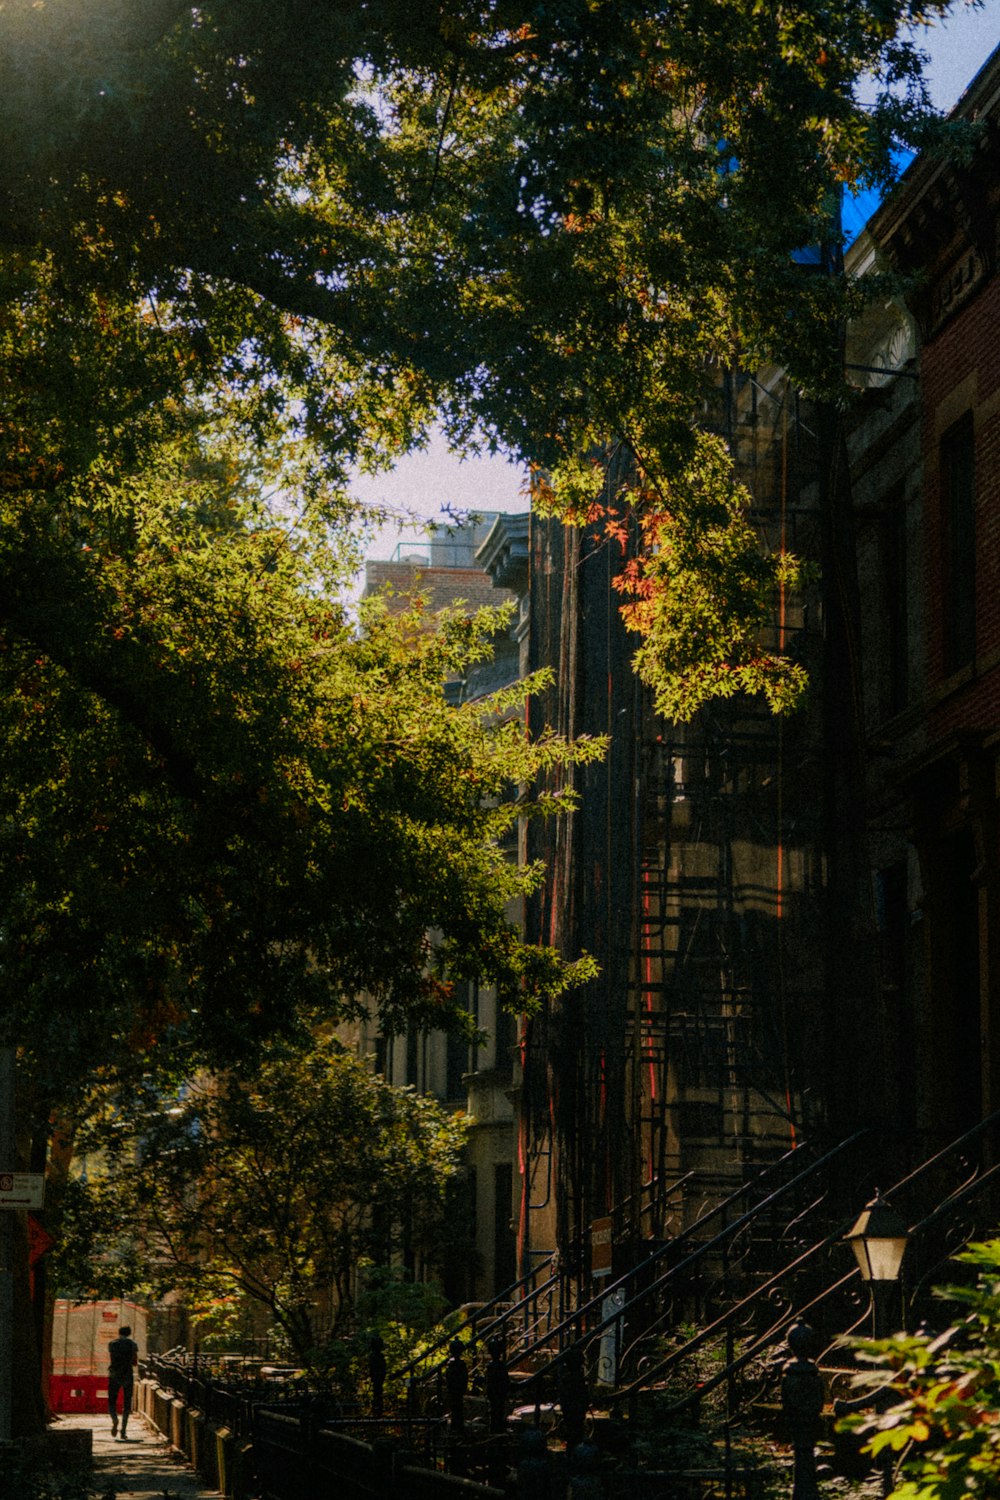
[736, 1311]
[471, 1319]
[762, 1341]
[509, 1295]
[955, 1200]
[941, 1211]
[518, 1311]
[704, 1249]
[932, 1161]
[760, 1290]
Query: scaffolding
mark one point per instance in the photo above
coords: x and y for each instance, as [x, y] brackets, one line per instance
[692, 872]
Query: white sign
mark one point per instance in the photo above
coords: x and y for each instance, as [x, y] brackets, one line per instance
[22, 1189]
[607, 1364]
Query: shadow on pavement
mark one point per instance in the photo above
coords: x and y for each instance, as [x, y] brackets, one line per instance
[143, 1467]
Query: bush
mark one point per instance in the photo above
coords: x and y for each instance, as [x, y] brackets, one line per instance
[944, 1422]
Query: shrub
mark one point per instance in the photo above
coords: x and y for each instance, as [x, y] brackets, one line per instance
[944, 1420]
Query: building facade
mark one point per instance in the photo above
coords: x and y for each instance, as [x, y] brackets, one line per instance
[797, 921]
[927, 461]
[476, 1079]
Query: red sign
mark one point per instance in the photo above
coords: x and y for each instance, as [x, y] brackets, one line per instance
[39, 1240]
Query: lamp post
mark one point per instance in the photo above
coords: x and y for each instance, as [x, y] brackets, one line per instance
[879, 1240]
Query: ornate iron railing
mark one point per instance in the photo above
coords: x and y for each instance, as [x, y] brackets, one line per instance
[739, 1350]
[652, 1296]
[522, 1314]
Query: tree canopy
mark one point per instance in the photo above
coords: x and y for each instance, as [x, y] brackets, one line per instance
[224, 810]
[245, 248]
[551, 224]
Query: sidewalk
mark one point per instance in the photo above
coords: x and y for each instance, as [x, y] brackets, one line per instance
[143, 1468]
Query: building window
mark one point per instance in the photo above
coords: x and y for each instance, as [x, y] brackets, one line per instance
[504, 1250]
[456, 1067]
[895, 602]
[412, 1053]
[958, 515]
[460, 1057]
[892, 908]
[505, 1032]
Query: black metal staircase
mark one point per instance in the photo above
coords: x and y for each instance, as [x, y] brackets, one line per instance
[703, 1317]
[947, 1200]
[721, 1248]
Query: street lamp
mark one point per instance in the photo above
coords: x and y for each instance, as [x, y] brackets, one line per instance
[879, 1240]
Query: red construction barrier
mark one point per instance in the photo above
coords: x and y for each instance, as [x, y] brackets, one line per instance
[79, 1393]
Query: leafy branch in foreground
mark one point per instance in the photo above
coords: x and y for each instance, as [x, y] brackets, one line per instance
[943, 1423]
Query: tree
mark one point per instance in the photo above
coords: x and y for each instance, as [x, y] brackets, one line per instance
[275, 1188]
[241, 254]
[557, 225]
[242, 249]
[224, 809]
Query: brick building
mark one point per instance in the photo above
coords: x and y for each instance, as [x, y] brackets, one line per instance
[798, 924]
[926, 461]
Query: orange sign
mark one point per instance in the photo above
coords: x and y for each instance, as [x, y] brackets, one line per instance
[600, 1247]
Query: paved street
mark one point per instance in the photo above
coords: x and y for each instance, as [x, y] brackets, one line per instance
[142, 1468]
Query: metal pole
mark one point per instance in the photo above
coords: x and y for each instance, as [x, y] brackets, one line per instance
[6, 1247]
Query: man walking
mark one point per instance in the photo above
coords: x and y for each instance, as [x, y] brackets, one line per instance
[123, 1352]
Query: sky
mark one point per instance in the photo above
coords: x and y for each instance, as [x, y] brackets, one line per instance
[958, 46]
[434, 478]
[424, 482]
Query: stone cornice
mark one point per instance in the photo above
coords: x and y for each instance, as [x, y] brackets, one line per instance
[941, 221]
[504, 553]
